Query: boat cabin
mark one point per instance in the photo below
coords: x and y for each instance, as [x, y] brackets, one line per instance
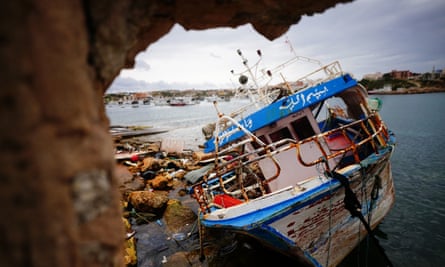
[314, 130]
[292, 140]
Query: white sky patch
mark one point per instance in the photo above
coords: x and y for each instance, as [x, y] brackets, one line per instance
[141, 65]
[366, 36]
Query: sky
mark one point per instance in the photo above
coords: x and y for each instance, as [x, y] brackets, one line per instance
[365, 36]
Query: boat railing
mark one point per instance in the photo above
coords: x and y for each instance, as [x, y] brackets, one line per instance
[374, 133]
[264, 95]
[232, 170]
[328, 71]
[225, 173]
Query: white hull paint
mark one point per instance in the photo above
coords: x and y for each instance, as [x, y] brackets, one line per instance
[319, 225]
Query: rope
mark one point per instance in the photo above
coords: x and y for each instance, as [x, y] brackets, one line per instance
[369, 211]
[330, 224]
[201, 246]
[353, 206]
[320, 167]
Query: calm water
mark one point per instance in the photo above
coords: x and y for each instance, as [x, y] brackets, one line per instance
[415, 227]
[184, 123]
[413, 234]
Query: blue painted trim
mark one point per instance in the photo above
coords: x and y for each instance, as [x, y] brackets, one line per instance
[284, 107]
[257, 223]
[312, 259]
[256, 218]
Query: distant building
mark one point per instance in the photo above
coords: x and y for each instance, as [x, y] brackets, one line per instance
[140, 95]
[401, 74]
[435, 74]
[438, 74]
[373, 76]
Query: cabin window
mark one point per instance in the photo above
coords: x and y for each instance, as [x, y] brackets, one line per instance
[303, 128]
[282, 133]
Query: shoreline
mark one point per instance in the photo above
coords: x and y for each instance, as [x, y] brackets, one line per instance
[416, 90]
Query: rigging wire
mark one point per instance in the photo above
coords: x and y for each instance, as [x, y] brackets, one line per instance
[353, 206]
[321, 169]
[330, 223]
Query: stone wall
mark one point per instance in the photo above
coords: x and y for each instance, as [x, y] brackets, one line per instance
[58, 193]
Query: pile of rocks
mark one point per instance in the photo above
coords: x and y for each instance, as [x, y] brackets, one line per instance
[155, 188]
[161, 212]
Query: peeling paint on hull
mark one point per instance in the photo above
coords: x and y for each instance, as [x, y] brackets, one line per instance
[317, 226]
[328, 241]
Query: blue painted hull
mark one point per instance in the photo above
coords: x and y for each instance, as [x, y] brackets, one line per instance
[314, 223]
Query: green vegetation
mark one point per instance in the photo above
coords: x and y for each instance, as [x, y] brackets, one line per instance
[433, 83]
[387, 81]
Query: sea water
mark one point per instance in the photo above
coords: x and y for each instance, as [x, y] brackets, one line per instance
[184, 123]
[413, 233]
[415, 227]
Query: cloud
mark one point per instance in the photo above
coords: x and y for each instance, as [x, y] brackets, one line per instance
[142, 65]
[128, 84]
[366, 36]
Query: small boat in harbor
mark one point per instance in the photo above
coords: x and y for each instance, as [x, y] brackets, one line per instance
[135, 103]
[177, 102]
[304, 168]
[182, 101]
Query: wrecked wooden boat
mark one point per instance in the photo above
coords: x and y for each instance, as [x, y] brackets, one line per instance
[133, 131]
[304, 168]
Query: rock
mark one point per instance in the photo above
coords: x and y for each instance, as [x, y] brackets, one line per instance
[136, 184]
[148, 175]
[127, 181]
[162, 181]
[123, 175]
[150, 163]
[146, 201]
[171, 164]
[179, 174]
[176, 215]
[179, 259]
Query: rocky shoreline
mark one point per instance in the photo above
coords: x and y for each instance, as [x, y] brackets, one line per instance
[161, 216]
[406, 91]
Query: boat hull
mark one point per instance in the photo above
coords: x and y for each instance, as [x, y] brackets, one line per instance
[315, 223]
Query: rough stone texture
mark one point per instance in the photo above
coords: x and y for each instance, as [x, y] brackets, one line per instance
[127, 182]
[179, 259]
[162, 181]
[150, 163]
[176, 215]
[146, 201]
[57, 58]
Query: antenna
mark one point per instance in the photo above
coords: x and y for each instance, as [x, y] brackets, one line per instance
[243, 79]
[290, 45]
